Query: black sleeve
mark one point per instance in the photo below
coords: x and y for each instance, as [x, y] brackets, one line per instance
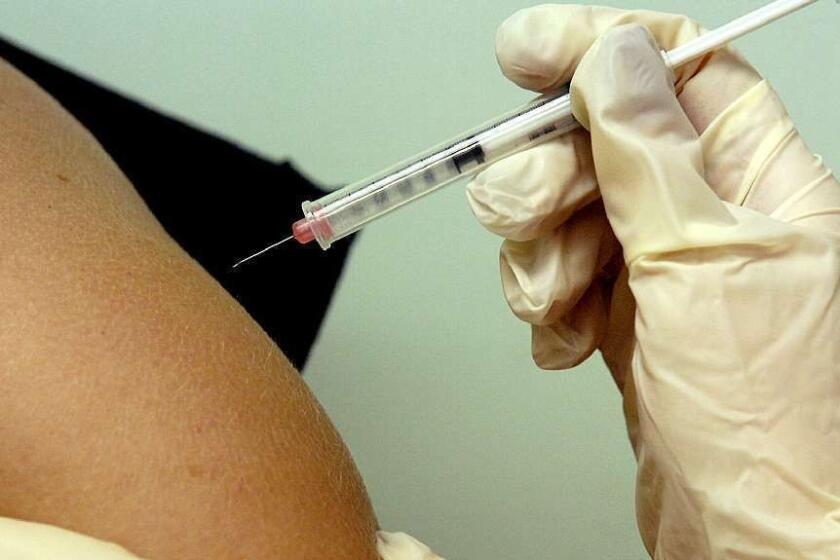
[217, 200]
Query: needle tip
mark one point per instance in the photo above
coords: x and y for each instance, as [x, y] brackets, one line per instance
[258, 253]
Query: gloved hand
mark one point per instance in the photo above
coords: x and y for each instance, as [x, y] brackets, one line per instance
[400, 546]
[23, 540]
[696, 243]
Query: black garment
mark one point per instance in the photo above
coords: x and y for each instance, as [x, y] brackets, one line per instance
[218, 201]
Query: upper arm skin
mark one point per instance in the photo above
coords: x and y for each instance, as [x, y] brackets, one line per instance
[139, 403]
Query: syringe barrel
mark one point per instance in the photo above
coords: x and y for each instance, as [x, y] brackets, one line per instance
[346, 210]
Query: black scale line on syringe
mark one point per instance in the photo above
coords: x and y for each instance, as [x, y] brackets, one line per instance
[469, 157]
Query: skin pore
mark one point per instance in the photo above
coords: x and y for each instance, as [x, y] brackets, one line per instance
[140, 403]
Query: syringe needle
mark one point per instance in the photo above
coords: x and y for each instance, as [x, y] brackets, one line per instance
[258, 253]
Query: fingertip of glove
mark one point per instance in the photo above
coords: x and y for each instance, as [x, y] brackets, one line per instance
[529, 194]
[401, 546]
[619, 57]
[624, 66]
[528, 48]
[633, 44]
[493, 201]
[553, 351]
[570, 341]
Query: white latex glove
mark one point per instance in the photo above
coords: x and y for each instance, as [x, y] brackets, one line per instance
[708, 275]
[21, 540]
[400, 546]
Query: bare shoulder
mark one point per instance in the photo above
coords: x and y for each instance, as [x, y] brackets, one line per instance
[140, 403]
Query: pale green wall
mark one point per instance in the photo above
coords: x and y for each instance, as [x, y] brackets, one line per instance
[461, 440]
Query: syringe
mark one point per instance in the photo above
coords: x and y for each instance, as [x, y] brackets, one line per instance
[347, 210]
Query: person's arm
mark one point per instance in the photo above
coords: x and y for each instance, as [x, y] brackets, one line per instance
[192, 181]
[140, 404]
